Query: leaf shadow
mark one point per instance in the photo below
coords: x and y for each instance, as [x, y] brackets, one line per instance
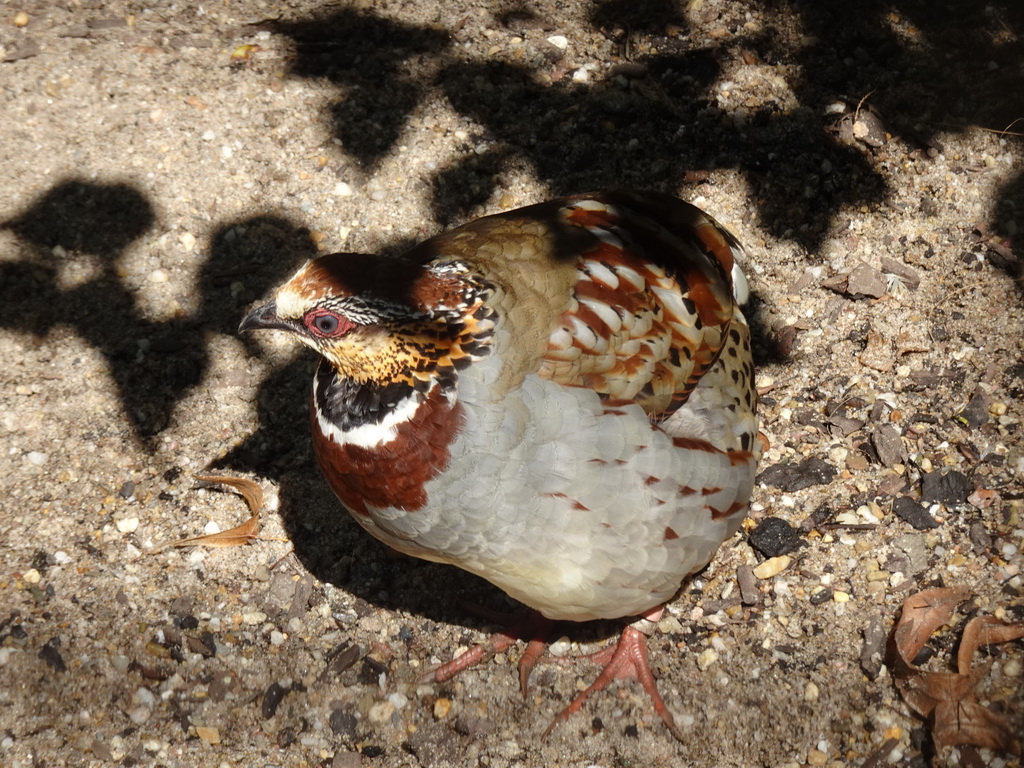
[369, 58]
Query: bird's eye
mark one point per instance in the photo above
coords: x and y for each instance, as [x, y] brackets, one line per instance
[323, 323]
[326, 324]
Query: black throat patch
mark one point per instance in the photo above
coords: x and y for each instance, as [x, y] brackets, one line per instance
[348, 404]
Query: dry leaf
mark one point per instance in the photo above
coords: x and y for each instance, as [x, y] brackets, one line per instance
[948, 699]
[923, 613]
[984, 630]
[924, 691]
[247, 489]
[233, 537]
[968, 722]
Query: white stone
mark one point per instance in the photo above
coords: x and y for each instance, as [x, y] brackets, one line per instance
[38, 458]
[128, 524]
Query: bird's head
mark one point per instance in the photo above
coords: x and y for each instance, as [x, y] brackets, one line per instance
[381, 320]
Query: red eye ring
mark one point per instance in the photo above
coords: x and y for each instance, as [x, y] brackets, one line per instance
[326, 324]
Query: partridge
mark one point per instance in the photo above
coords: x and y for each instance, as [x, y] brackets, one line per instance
[559, 399]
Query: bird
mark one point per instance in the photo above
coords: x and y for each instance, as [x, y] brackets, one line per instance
[559, 399]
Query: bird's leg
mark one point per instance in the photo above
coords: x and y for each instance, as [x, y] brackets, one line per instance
[533, 627]
[625, 660]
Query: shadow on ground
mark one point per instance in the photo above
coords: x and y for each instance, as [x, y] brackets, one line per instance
[89, 225]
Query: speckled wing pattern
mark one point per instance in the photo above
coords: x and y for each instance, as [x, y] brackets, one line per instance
[652, 305]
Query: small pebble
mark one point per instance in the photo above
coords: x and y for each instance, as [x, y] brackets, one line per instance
[773, 537]
[865, 280]
[31, 576]
[749, 593]
[273, 696]
[341, 189]
[144, 696]
[158, 276]
[910, 511]
[442, 707]
[706, 658]
[820, 595]
[381, 712]
[811, 692]
[343, 759]
[560, 647]
[559, 41]
[816, 757]
[841, 597]
[580, 76]
[127, 524]
[772, 567]
[951, 488]
[21, 19]
[795, 477]
[208, 734]
[38, 458]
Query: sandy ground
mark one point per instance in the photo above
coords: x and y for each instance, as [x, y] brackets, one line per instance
[165, 165]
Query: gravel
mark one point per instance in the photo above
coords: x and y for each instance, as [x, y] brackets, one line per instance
[166, 165]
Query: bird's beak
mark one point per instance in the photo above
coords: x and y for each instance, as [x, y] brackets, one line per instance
[266, 317]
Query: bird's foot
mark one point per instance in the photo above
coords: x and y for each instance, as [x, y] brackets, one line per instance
[533, 628]
[625, 660]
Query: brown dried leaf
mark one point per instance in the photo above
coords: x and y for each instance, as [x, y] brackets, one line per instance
[967, 722]
[984, 630]
[925, 691]
[233, 537]
[948, 698]
[923, 613]
[247, 489]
